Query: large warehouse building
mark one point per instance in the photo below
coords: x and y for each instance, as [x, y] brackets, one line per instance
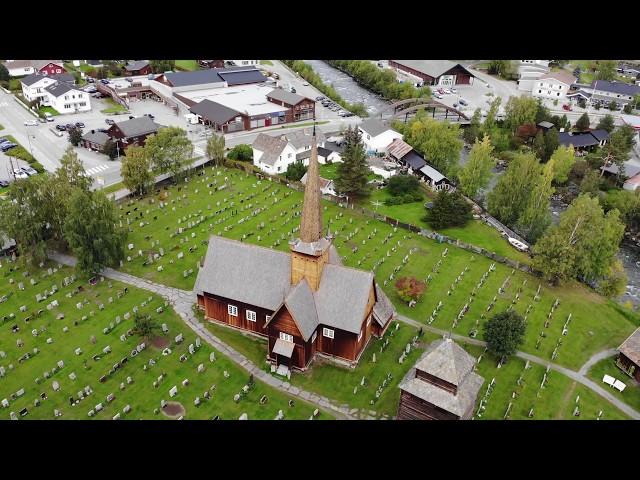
[435, 72]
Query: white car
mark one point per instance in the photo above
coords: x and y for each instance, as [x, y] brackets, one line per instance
[29, 170]
[437, 95]
[446, 91]
[453, 90]
[31, 123]
[305, 84]
[19, 173]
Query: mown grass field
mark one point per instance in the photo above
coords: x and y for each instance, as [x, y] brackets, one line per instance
[89, 321]
[238, 205]
[630, 395]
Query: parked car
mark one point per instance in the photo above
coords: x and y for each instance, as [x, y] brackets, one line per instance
[131, 117]
[79, 125]
[4, 183]
[70, 126]
[61, 128]
[380, 64]
[149, 115]
[319, 99]
[276, 76]
[463, 102]
[305, 84]
[293, 90]
[108, 121]
[30, 123]
[19, 173]
[7, 146]
[446, 91]
[437, 95]
[453, 90]
[104, 81]
[48, 117]
[567, 107]
[29, 170]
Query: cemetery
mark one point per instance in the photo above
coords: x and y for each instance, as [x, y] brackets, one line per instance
[69, 350]
[169, 232]
[631, 393]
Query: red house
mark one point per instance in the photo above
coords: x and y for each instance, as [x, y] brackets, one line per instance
[139, 67]
[18, 68]
[132, 132]
[300, 108]
[435, 72]
[305, 302]
[211, 63]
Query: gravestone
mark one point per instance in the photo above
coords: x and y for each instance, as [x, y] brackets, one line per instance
[173, 392]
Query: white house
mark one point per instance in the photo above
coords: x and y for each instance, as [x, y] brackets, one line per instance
[326, 186]
[33, 86]
[65, 98]
[274, 154]
[245, 63]
[376, 135]
[553, 85]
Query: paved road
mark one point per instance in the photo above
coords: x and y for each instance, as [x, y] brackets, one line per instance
[596, 358]
[182, 302]
[577, 376]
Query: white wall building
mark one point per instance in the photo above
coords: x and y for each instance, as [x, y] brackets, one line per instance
[66, 99]
[273, 155]
[377, 136]
[33, 87]
[245, 63]
[553, 86]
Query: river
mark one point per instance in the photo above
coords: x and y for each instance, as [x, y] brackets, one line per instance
[347, 87]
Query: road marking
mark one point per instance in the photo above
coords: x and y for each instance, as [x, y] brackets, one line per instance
[4, 104]
[98, 169]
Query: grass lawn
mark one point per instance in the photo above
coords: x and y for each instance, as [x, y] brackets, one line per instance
[88, 322]
[114, 107]
[14, 84]
[330, 171]
[631, 394]
[50, 110]
[187, 65]
[555, 401]
[474, 232]
[1, 127]
[113, 188]
[266, 62]
[204, 204]
[23, 154]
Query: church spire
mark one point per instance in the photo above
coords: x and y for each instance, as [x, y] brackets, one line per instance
[311, 221]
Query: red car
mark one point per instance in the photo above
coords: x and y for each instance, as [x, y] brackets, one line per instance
[567, 107]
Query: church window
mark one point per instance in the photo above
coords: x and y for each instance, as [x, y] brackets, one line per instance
[233, 310]
[251, 315]
[327, 332]
[286, 337]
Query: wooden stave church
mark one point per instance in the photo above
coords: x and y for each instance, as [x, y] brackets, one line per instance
[306, 295]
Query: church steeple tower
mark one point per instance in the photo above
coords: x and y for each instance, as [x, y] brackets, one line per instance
[310, 252]
[311, 221]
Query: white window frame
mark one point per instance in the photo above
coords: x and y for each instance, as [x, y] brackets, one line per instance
[327, 332]
[287, 337]
[267, 318]
[251, 315]
[232, 310]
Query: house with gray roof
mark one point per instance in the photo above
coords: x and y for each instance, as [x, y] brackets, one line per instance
[57, 91]
[603, 92]
[306, 302]
[274, 154]
[138, 67]
[442, 385]
[94, 140]
[406, 157]
[629, 355]
[132, 132]
[434, 72]
[377, 135]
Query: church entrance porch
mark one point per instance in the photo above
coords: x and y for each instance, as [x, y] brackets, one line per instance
[282, 352]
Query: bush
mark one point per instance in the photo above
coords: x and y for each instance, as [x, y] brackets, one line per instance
[242, 152]
[504, 333]
[450, 209]
[402, 199]
[402, 184]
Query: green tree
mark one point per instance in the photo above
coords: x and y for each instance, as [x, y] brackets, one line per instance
[503, 68]
[508, 200]
[24, 219]
[551, 143]
[437, 141]
[4, 74]
[136, 170]
[92, 231]
[606, 70]
[590, 183]
[450, 209]
[520, 110]
[582, 245]
[472, 132]
[170, 151]
[71, 172]
[490, 120]
[110, 149]
[296, 170]
[606, 123]
[562, 161]
[614, 284]
[539, 145]
[144, 325]
[353, 172]
[536, 217]
[75, 136]
[583, 123]
[402, 184]
[242, 153]
[215, 149]
[543, 114]
[504, 333]
[613, 106]
[475, 175]
[628, 109]
[161, 66]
